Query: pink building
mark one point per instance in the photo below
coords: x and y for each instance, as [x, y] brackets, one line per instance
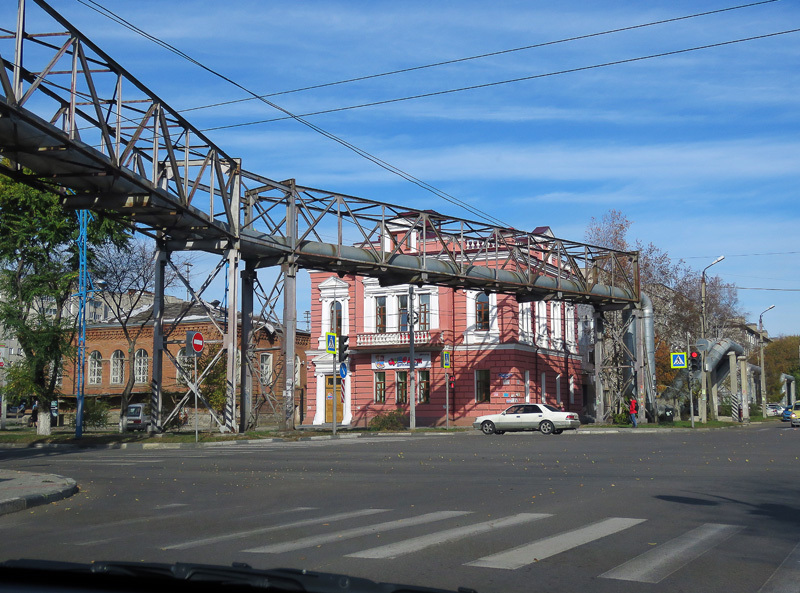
[500, 351]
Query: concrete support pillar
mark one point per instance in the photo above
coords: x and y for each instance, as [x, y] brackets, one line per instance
[712, 379]
[246, 341]
[230, 341]
[736, 397]
[156, 424]
[745, 389]
[599, 395]
[290, 310]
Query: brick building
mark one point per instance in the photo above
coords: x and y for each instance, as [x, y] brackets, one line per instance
[108, 367]
[501, 351]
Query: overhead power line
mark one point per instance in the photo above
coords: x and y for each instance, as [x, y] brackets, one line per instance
[512, 80]
[484, 55]
[774, 289]
[359, 151]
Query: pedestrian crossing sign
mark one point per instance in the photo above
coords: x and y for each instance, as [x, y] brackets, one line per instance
[678, 360]
[446, 362]
[330, 343]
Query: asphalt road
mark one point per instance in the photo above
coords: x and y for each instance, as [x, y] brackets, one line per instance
[707, 511]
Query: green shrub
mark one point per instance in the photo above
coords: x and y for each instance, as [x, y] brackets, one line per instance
[395, 420]
[621, 418]
[95, 412]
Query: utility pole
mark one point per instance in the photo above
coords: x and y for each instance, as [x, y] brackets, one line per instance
[761, 361]
[703, 373]
[412, 367]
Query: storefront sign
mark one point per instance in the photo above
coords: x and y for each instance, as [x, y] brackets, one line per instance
[382, 362]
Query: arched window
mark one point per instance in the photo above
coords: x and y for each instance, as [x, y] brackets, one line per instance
[185, 361]
[117, 367]
[95, 373]
[141, 364]
[265, 368]
[482, 312]
[336, 317]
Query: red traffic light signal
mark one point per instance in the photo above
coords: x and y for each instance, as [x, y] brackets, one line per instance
[452, 382]
[695, 360]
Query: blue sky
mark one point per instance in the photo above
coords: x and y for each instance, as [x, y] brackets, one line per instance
[699, 149]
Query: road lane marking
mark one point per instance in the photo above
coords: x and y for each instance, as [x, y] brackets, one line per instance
[304, 523]
[655, 565]
[416, 544]
[317, 540]
[787, 575]
[550, 546]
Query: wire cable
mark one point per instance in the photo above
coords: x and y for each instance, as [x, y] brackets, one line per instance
[512, 80]
[484, 55]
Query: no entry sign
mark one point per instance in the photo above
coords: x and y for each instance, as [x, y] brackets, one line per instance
[194, 342]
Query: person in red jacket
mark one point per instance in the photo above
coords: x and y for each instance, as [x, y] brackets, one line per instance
[633, 409]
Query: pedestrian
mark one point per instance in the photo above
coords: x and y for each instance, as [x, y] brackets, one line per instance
[35, 414]
[633, 408]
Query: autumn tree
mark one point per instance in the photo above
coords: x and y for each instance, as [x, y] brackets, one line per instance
[781, 356]
[673, 287]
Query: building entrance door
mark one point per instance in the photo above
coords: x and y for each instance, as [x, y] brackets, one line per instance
[329, 400]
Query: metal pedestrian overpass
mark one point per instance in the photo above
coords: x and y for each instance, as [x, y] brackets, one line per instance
[75, 122]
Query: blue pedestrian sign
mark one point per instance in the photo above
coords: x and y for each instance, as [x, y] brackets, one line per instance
[330, 343]
[678, 360]
[343, 370]
[446, 362]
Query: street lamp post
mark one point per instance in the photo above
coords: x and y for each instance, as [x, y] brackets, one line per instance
[761, 362]
[703, 373]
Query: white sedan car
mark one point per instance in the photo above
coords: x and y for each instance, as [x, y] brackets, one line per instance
[542, 417]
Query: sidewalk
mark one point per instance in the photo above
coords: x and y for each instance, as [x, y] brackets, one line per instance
[23, 490]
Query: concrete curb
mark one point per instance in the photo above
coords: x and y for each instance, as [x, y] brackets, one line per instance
[23, 490]
[586, 429]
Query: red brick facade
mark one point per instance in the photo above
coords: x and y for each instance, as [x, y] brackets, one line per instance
[107, 366]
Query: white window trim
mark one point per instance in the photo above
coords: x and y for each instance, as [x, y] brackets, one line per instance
[265, 356]
[556, 316]
[139, 361]
[117, 378]
[373, 289]
[526, 334]
[334, 289]
[95, 374]
[542, 334]
[474, 336]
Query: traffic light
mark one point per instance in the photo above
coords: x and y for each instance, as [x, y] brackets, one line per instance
[452, 385]
[344, 350]
[695, 360]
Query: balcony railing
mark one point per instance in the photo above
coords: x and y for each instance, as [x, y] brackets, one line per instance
[398, 339]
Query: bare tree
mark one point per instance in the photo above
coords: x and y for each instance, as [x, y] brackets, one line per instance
[129, 276]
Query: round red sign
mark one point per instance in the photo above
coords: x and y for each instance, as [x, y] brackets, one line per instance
[197, 342]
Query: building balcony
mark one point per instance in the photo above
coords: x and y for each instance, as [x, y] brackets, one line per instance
[380, 340]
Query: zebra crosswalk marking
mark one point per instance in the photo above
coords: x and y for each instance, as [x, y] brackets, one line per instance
[316, 540]
[655, 565]
[550, 546]
[425, 541]
[302, 523]
[787, 575]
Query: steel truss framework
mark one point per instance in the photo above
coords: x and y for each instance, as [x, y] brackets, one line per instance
[75, 122]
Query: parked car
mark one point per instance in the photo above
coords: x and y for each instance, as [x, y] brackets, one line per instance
[542, 417]
[136, 417]
[774, 409]
[786, 415]
[794, 416]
